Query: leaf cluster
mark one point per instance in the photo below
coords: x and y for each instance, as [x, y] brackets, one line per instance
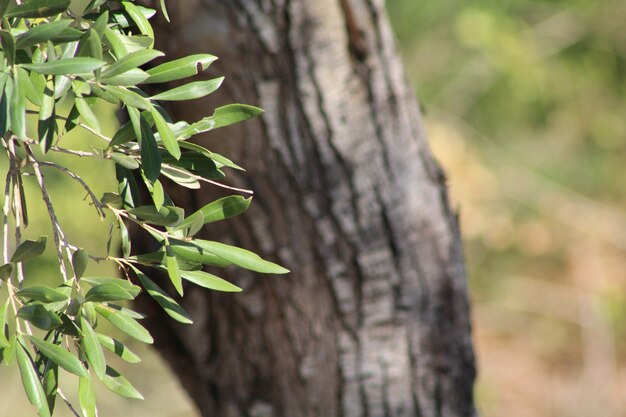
[53, 58]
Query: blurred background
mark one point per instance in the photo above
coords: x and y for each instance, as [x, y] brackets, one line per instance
[525, 104]
[525, 107]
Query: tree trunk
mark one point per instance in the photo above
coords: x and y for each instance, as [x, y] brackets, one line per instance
[373, 321]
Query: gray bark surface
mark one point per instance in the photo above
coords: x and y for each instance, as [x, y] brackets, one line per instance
[374, 320]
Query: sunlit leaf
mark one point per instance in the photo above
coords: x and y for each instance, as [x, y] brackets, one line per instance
[94, 353]
[59, 355]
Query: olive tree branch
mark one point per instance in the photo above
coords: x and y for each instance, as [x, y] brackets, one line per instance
[95, 201]
[57, 231]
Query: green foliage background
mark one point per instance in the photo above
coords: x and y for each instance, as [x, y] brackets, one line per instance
[525, 105]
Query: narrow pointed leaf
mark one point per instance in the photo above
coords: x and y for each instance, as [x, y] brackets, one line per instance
[37, 8]
[94, 353]
[170, 306]
[39, 316]
[221, 209]
[42, 33]
[210, 281]
[125, 323]
[30, 381]
[173, 270]
[50, 382]
[65, 66]
[191, 91]
[167, 136]
[87, 397]
[118, 348]
[128, 286]
[179, 68]
[129, 62]
[241, 257]
[59, 355]
[29, 249]
[41, 293]
[108, 292]
[120, 385]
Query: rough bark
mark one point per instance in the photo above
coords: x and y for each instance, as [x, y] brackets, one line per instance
[374, 319]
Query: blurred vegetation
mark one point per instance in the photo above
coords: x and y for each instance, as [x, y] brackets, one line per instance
[525, 105]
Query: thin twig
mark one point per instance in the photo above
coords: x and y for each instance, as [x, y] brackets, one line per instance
[84, 126]
[67, 402]
[96, 202]
[6, 209]
[199, 178]
[59, 236]
[73, 152]
[17, 210]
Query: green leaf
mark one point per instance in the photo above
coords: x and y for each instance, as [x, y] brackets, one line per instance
[43, 33]
[66, 66]
[150, 156]
[87, 397]
[86, 114]
[190, 252]
[80, 260]
[164, 10]
[195, 223]
[128, 286]
[128, 97]
[181, 177]
[126, 161]
[47, 117]
[37, 8]
[170, 306]
[41, 293]
[241, 257]
[191, 91]
[179, 68]
[221, 209]
[122, 321]
[4, 328]
[18, 109]
[4, 5]
[214, 156]
[6, 270]
[234, 113]
[120, 385]
[158, 195]
[129, 62]
[126, 244]
[30, 381]
[210, 281]
[167, 136]
[127, 79]
[167, 216]
[28, 88]
[9, 352]
[58, 355]
[50, 382]
[93, 350]
[8, 46]
[114, 41]
[108, 292]
[39, 316]
[29, 249]
[127, 186]
[140, 20]
[118, 348]
[124, 134]
[173, 270]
